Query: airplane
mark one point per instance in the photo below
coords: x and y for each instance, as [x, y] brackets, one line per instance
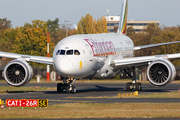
[95, 55]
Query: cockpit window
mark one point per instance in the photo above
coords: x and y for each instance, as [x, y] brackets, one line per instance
[58, 52]
[62, 52]
[69, 52]
[76, 52]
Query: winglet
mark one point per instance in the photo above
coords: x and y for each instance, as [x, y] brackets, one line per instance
[123, 20]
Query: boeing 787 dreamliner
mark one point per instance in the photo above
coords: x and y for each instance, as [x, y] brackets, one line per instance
[95, 55]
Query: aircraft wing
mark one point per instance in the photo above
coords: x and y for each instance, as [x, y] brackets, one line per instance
[140, 61]
[38, 59]
[154, 45]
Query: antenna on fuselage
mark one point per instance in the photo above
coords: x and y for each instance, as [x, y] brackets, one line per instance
[123, 18]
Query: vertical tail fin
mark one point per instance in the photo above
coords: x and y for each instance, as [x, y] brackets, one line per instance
[123, 18]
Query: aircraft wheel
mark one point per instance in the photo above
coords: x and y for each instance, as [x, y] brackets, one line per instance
[128, 86]
[59, 87]
[67, 89]
[73, 89]
[138, 87]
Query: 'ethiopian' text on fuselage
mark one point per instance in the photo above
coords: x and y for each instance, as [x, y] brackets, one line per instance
[102, 48]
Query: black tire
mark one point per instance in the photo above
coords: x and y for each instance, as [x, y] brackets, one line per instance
[138, 87]
[128, 85]
[59, 87]
[73, 90]
[67, 89]
[139, 83]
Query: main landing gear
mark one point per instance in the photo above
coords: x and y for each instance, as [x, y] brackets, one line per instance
[67, 85]
[134, 85]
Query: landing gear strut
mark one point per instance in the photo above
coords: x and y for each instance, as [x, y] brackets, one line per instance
[67, 85]
[134, 85]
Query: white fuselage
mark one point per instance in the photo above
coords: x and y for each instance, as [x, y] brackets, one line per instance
[90, 55]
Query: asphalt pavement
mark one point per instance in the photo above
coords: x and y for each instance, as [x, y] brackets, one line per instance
[94, 93]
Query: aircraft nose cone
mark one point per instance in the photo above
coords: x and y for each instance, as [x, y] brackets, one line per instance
[65, 66]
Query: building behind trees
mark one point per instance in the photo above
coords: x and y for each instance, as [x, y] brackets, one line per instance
[138, 26]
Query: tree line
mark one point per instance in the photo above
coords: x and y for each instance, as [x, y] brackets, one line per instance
[154, 34]
[31, 39]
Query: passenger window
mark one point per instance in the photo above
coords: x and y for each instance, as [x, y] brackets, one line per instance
[69, 52]
[76, 52]
[62, 52]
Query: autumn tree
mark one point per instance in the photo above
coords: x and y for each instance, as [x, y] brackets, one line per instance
[94, 26]
[130, 31]
[104, 24]
[85, 25]
[53, 25]
[153, 34]
[145, 37]
[80, 27]
[89, 26]
[99, 26]
[7, 39]
[6, 35]
[57, 31]
[60, 33]
[4, 23]
[32, 39]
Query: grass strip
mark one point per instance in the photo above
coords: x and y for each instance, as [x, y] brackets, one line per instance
[153, 95]
[125, 95]
[10, 89]
[160, 95]
[96, 110]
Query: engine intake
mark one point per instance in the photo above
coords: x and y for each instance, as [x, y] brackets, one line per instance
[161, 72]
[17, 72]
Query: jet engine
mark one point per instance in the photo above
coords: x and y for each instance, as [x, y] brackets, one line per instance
[161, 72]
[18, 72]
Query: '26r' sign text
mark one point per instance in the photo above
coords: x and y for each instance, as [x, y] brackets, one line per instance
[22, 103]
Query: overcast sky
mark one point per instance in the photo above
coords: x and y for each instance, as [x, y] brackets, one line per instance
[22, 11]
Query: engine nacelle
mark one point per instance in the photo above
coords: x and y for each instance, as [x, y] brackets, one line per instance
[161, 72]
[18, 72]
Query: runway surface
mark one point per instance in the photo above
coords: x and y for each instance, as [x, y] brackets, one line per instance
[109, 119]
[96, 90]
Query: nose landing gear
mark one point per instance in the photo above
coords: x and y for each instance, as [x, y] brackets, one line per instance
[67, 85]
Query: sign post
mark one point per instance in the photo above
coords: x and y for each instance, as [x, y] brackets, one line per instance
[48, 69]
